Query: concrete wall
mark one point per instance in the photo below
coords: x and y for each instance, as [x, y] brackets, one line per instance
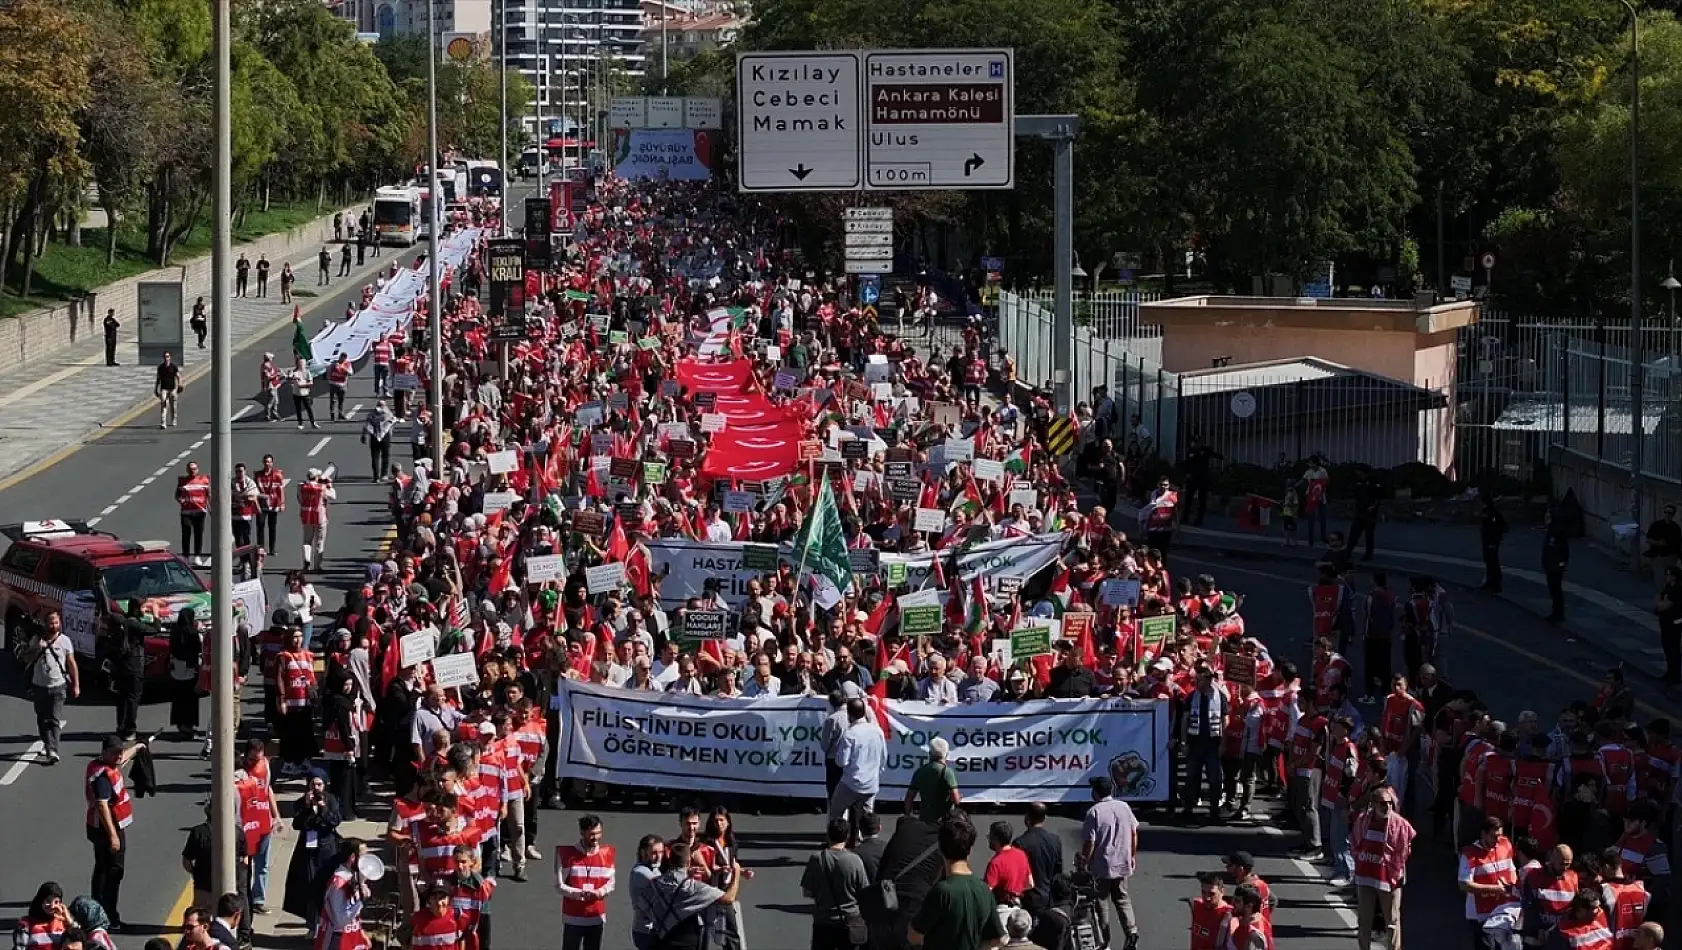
[45, 334]
[1603, 489]
[1193, 347]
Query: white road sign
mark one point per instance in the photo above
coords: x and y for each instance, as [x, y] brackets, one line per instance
[855, 266]
[868, 227]
[868, 240]
[938, 119]
[878, 253]
[799, 119]
[867, 214]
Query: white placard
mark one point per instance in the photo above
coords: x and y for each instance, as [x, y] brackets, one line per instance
[589, 415]
[80, 620]
[864, 480]
[503, 462]
[878, 372]
[737, 501]
[774, 353]
[932, 520]
[250, 599]
[496, 501]
[960, 450]
[457, 669]
[1026, 497]
[713, 422]
[416, 648]
[603, 578]
[882, 392]
[675, 430]
[927, 597]
[988, 470]
[601, 443]
[542, 568]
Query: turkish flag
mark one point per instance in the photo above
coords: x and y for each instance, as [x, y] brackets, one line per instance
[730, 377]
[765, 452]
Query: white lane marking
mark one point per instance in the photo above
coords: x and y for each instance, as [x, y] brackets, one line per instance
[241, 413]
[320, 445]
[147, 481]
[353, 411]
[107, 510]
[196, 445]
[1337, 902]
[94, 521]
[161, 472]
[123, 499]
[29, 755]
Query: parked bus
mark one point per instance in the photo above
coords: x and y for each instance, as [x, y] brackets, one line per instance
[398, 216]
[484, 179]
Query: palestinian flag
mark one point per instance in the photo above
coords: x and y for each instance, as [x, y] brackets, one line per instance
[969, 501]
[1062, 593]
[300, 339]
[976, 619]
[1019, 461]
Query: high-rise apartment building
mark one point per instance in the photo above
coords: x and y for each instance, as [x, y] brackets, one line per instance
[573, 52]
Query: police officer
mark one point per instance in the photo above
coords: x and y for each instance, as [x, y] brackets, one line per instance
[127, 652]
[111, 327]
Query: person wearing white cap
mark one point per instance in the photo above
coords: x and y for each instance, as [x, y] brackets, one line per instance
[313, 495]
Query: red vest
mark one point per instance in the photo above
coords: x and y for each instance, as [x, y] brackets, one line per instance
[431, 930]
[296, 672]
[469, 903]
[1498, 776]
[193, 494]
[1657, 771]
[1397, 720]
[1490, 866]
[1325, 598]
[42, 934]
[382, 353]
[1304, 750]
[437, 848]
[1617, 766]
[1637, 851]
[338, 374]
[245, 508]
[1256, 925]
[272, 486]
[255, 819]
[580, 870]
[1626, 908]
[1530, 785]
[1210, 925]
[351, 937]
[1590, 934]
[1470, 759]
[312, 503]
[122, 810]
[1337, 759]
[1552, 893]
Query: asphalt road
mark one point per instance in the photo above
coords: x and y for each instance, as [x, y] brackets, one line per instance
[126, 479]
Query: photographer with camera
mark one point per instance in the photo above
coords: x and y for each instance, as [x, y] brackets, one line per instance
[50, 659]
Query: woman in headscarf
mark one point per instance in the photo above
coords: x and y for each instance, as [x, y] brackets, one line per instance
[345, 732]
[47, 918]
[94, 923]
[316, 852]
[186, 649]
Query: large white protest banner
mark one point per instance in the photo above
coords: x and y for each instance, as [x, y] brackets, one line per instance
[1011, 557]
[1045, 750]
[693, 563]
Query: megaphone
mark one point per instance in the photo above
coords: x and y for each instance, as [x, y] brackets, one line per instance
[331, 472]
[370, 867]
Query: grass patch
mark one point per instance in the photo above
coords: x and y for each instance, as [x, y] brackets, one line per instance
[64, 272]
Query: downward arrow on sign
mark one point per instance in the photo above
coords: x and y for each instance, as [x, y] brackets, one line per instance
[800, 171]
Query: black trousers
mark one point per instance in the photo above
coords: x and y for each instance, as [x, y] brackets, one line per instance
[341, 773]
[302, 406]
[129, 680]
[1492, 568]
[1670, 638]
[575, 937]
[1556, 590]
[192, 533]
[335, 401]
[268, 525]
[1363, 528]
[1376, 665]
[1197, 504]
[110, 350]
[242, 532]
[379, 456]
[107, 881]
[184, 703]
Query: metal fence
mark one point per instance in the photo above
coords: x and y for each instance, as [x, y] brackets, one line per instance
[1595, 412]
[1112, 315]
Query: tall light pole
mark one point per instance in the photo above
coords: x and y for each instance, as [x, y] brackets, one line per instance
[540, 88]
[224, 810]
[502, 72]
[434, 323]
[1638, 453]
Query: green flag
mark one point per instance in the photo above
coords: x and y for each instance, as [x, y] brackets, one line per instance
[301, 342]
[822, 547]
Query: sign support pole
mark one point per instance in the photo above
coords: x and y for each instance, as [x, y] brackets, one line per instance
[1060, 131]
[223, 808]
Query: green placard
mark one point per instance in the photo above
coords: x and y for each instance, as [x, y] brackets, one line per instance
[649, 343]
[579, 295]
[653, 473]
[1029, 641]
[920, 621]
[896, 573]
[1156, 630]
[618, 338]
[759, 557]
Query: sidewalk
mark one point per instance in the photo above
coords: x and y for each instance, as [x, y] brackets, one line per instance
[1607, 606]
[52, 406]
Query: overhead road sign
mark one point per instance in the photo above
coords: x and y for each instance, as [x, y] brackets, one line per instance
[873, 266]
[883, 239]
[868, 227]
[880, 252]
[799, 121]
[939, 119]
[867, 214]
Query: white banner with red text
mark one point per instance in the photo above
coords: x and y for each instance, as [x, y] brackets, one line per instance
[1044, 750]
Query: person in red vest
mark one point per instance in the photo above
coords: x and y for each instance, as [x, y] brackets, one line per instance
[1383, 845]
[1496, 783]
[1548, 891]
[1488, 877]
[382, 367]
[192, 494]
[1617, 768]
[271, 501]
[1398, 729]
[1644, 856]
[295, 673]
[436, 838]
[1626, 901]
[584, 874]
[1211, 914]
[470, 897]
[436, 924]
[314, 494]
[1251, 929]
[338, 384]
[109, 814]
[1304, 763]
[1583, 927]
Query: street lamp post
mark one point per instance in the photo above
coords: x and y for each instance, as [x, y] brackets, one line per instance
[1638, 453]
[502, 71]
[434, 322]
[224, 810]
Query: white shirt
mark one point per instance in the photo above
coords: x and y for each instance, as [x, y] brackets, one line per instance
[860, 754]
[771, 687]
[718, 532]
[52, 667]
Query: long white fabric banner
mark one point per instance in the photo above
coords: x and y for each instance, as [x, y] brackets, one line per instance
[693, 563]
[391, 308]
[1045, 750]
